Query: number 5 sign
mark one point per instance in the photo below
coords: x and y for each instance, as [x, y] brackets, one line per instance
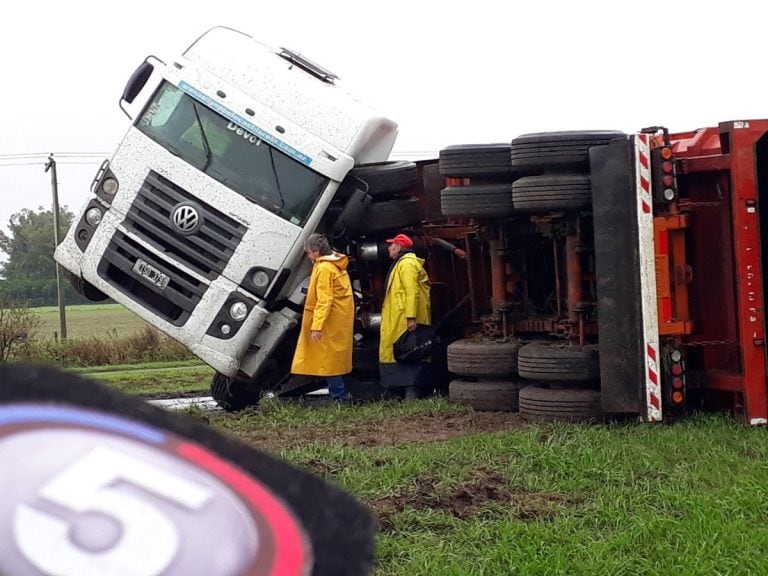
[104, 496]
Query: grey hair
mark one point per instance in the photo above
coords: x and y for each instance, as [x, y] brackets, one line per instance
[318, 243]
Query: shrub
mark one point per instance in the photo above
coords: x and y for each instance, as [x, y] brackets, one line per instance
[18, 327]
[148, 345]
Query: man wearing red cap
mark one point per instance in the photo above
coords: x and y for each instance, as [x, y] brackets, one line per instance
[406, 304]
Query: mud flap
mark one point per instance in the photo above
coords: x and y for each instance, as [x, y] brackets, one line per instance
[618, 277]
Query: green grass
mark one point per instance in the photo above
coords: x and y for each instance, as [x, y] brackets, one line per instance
[691, 498]
[158, 382]
[139, 368]
[85, 321]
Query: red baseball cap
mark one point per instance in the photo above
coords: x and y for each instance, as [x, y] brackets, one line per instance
[401, 239]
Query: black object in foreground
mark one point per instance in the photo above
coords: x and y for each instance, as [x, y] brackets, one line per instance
[95, 482]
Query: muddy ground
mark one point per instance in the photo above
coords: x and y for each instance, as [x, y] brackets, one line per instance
[485, 488]
[399, 430]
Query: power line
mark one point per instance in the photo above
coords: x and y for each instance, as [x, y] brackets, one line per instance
[65, 163]
[46, 154]
[41, 163]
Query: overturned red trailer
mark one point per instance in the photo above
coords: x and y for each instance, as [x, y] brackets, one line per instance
[603, 273]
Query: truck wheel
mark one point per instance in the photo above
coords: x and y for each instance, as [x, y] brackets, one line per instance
[552, 192]
[567, 404]
[483, 357]
[476, 161]
[559, 362]
[86, 289]
[230, 394]
[389, 214]
[487, 395]
[532, 153]
[478, 201]
[383, 178]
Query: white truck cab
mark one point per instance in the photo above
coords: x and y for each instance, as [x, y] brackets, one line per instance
[197, 221]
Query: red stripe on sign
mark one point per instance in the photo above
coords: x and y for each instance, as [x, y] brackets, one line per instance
[664, 243]
[654, 400]
[651, 352]
[292, 556]
[644, 161]
[643, 138]
[645, 185]
[646, 207]
[652, 377]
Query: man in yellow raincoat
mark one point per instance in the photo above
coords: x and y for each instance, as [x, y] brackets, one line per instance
[325, 341]
[406, 304]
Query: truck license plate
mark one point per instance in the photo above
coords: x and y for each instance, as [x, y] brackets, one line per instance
[152, 274]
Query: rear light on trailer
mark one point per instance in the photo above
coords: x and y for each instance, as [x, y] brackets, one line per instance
[674, 376]
[663, 174]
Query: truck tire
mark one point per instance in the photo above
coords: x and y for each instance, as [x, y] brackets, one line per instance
[483, 357]
[552, 192]
[86, 289]
[539, 152]
[566, 404]
[476, 161]
[477, 201]
[487, 395]
[558, 362]
[383, 178]
[230, 394]
[389, 214]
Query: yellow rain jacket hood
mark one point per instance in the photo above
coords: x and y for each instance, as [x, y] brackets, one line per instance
[330, 308]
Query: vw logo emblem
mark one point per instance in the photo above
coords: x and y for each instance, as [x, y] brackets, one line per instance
[186, 218]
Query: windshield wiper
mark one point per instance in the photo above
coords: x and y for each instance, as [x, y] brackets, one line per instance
[208, 154]
[277, 179]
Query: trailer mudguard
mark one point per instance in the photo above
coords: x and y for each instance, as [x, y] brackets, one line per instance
[617, 264]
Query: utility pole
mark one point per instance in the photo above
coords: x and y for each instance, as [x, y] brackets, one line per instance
[51, 165]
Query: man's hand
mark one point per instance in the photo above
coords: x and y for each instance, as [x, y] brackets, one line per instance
[411, 324]
[316, 335]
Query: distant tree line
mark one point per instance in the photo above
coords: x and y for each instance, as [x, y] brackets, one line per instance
[28, 276]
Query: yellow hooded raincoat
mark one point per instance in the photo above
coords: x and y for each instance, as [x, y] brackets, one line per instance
[407, 296]
[330, 308]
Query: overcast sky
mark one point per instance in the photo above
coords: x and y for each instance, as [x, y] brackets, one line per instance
[448, 72]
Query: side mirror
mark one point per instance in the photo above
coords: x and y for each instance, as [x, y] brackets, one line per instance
[136, 82]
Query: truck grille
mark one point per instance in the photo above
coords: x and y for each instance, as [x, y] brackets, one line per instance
[206, 251]
[174, 303]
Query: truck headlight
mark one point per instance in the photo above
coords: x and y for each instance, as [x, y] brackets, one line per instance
[238, 311]
[260, 279]
[109, 186]
[93, 216]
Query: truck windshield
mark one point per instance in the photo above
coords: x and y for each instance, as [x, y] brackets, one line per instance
[230, 154]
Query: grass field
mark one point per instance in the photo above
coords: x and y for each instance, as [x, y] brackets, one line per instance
[158, 382]
[459, 492]
[536, 499]
[90, 320]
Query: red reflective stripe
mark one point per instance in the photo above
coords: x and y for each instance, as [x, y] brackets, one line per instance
[666, 309]
[664, 243]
